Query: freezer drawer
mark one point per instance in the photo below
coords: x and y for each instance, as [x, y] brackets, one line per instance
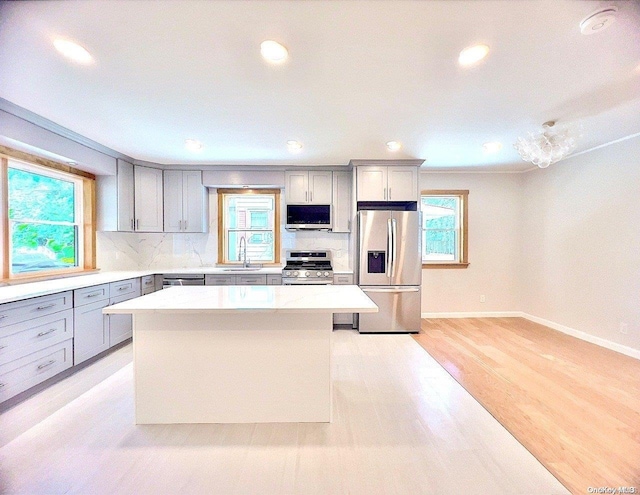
[398, 310]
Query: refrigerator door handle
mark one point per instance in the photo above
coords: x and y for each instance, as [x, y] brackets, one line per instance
[389, 260]
[394, 245]
[412, 289]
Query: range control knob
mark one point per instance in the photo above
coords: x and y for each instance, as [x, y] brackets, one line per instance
[306, 274]
[295, 274]
[318, 274]
[326, 274]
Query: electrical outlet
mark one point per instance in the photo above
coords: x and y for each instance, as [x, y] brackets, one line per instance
[624, 328]
[483, 298]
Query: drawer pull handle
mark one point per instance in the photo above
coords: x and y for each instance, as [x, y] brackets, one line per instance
[94, 294]
[2, 317]
[42, 334]
[123, 288]
[40, 308]
[47, 364]
[2, 347]
[2, 385]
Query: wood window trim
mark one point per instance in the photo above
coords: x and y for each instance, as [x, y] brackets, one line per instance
[276, 222]
[88, 217]
[464, 242]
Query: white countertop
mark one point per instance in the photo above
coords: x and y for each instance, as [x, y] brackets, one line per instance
[251, 299]
[10, 293]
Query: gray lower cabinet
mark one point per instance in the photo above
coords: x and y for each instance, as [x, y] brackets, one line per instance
[244, 279]
[148, 284]
[36, 339]
[343, 318]
[121, 326]
[91, 331]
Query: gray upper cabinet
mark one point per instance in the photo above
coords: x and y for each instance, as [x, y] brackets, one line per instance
[125, 196]
[341, 209]
[115, 199]
[148, 199]
[308, 187]
[185, 202]
[131, 200]
[387, 183]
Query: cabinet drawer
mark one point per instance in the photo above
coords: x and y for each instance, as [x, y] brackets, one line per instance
[90, 294]
[31, 336]
[22, 374]
[274, 279]
[219, 280]
[148, 281]
[130, 286]
[346, 279]
[251, 279]
[27, 309]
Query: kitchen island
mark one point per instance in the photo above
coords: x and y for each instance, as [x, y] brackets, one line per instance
[236, 354]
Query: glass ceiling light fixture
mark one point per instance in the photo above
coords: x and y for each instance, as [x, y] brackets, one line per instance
[546, 147]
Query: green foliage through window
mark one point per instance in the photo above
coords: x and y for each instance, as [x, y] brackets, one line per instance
[441, 228]
[42, 220]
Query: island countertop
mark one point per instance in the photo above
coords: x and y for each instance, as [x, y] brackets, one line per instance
[250, 298]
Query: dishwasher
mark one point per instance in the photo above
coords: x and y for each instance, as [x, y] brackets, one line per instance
[174, 279]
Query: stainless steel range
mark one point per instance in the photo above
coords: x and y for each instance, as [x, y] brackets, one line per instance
[307, 268]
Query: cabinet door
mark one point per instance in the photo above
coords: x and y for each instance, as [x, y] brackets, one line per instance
[148, 199]
[320, 186]
[341, 209]
[194, 203]
[371, 183]
[173, 216]
[402, 184]
[91, 331]
[124, 178]
[296, 187]
[120, 326]
[343, 318]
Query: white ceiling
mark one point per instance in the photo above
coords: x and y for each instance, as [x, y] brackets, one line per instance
[360, 73]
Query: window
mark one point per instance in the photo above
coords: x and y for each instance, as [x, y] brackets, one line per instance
[248, 219]
[444, 229]
[47, 220]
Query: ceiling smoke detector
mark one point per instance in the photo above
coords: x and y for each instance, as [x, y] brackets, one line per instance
[598, 21]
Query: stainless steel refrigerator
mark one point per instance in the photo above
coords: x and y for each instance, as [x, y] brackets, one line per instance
[390, 269]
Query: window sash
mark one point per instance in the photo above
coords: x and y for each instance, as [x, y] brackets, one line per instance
[460, 255]
[224, 248]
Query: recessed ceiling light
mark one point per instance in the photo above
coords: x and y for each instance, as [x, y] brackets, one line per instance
[72, 163]
[73, 51]
[598, 21]
[394, 145]
[193, 145]
[472, 55]
[273, 51]
[493, 147]
[294, 146]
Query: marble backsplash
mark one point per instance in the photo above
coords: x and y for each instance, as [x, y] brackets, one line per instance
[130, 251]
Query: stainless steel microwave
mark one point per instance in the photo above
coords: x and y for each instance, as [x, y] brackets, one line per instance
[308, 217]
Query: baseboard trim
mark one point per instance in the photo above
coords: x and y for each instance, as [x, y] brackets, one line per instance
[474, 314]
[579, 334]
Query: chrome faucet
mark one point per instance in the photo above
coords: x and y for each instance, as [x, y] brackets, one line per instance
[243, 252]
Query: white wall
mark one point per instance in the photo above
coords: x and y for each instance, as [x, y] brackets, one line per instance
[494, 240]
[580, 257]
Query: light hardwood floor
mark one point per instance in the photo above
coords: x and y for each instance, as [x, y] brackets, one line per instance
[574, 405]
[401, 426]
